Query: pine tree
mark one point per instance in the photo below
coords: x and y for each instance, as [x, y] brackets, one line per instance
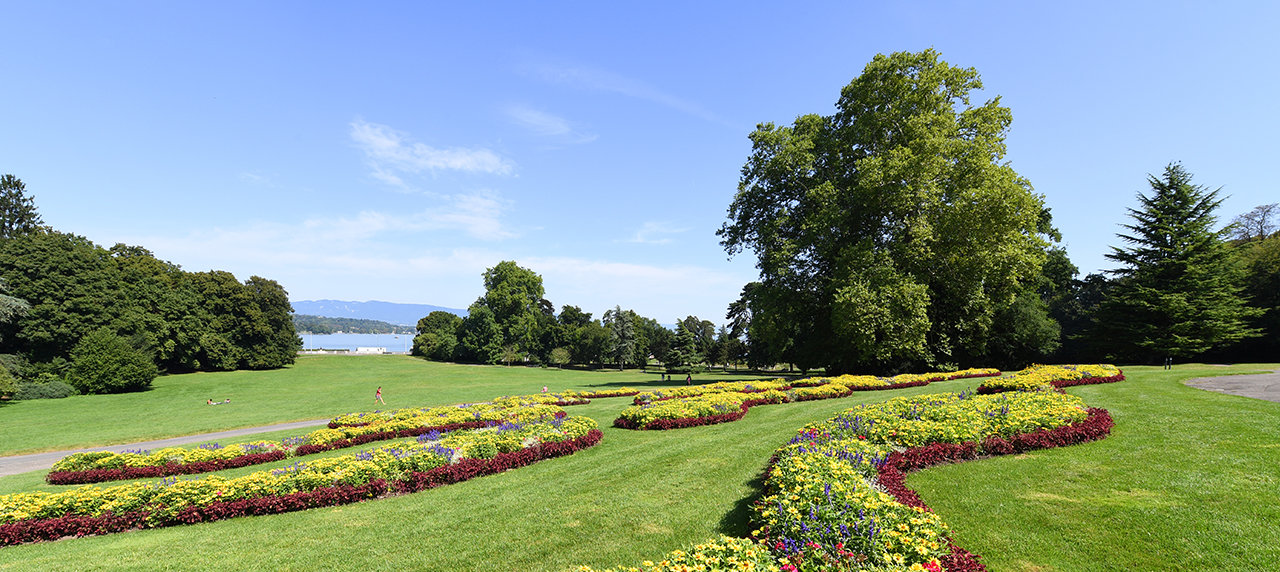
[18, 214]
[1178, 291]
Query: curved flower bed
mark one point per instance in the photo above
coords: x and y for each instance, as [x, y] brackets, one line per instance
[710, 388]
[104, 466]
[445, 414]
[602, 393]
[680, 413]
[836, 496]
[1046, 377]
[852, 382]
[405, 467]
[865, 382]
[87, 476]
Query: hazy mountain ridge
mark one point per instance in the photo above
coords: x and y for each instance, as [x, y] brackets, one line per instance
[390, 312]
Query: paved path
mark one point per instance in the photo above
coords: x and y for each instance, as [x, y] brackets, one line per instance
[43, 461]
[1261, 386]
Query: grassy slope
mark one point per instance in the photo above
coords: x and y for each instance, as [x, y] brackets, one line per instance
[635, 496]
[316, 387]
[1187, 481]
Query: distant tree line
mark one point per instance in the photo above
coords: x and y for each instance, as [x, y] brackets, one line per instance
[514, 323]
[104, 320]
[308, 324]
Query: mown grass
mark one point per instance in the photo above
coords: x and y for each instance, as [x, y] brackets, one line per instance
[316, 387]
[1187, 481]
[635, 496]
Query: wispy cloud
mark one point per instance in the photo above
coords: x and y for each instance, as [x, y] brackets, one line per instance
[476, 215]
[656, 233]
[391, 153]
[547, 124]
[587, 77]
[257, 178]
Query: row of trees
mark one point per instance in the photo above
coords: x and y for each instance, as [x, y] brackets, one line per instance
[306, 323]
[109, 319]
[893, 236]
[514, 322]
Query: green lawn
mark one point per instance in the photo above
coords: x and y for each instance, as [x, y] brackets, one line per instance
[1188, 481]
[317, 387]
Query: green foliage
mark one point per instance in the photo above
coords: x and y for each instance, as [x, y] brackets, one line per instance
[514, 294]
[18, 215]
[8, 386]
[560, 356]
[1260, 261]
[44, 386]
[684, 349]
[437, 346]
[305, 323]
[622, 335]
[439, 321]
[480, 338]
[1177, 293]
[901, 200]
[104, 362]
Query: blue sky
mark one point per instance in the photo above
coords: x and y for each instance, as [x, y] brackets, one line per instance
[393, 151]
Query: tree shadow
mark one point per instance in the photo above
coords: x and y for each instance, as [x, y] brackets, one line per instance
[737, 522]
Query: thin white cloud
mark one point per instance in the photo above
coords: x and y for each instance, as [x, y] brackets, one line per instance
[587, 77]
[476, 215]
[391, 153]
[547, 124]
[257, 178]
[655, 233]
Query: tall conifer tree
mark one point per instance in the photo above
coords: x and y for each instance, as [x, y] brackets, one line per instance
[1178, 291]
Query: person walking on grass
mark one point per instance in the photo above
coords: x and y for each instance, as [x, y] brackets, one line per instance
[377, 397]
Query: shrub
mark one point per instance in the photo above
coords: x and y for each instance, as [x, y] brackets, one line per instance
[44, 386]
[7, 385]
[103, 362]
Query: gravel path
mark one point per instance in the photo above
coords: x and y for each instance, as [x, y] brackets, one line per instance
[1260, 386]
[43, 461]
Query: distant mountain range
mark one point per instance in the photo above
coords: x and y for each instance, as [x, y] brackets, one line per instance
[390, 312]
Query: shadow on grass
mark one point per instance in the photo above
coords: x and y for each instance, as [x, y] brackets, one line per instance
[737, 522]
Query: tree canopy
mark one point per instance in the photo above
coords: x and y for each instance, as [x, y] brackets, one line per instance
[889, 234]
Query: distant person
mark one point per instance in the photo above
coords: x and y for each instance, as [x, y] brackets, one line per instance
[210, 402]
[688, 379]
[227, 401]
[377, 397]
[544, 389]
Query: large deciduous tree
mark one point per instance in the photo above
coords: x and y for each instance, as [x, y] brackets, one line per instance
[1177, 292]
[889, 234]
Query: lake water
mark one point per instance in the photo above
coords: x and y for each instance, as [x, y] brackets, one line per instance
[393, 342]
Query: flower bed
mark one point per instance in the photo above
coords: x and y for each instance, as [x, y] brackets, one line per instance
[104, 466]
[87, 476]
[445, 414]
[603, 393]
[1045, 377]
[865, 382]
[679, 413]
[836, 495]
[710, 388]
[414, 465]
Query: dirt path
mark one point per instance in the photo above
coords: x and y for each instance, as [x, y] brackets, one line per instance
[43, 461]
[1260, 386]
